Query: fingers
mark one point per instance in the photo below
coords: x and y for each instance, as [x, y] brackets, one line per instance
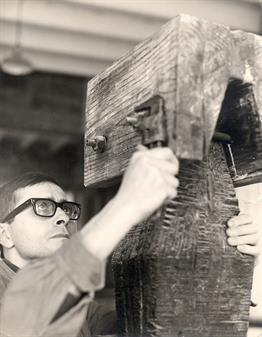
[243, 234]
[171, 181]
[239, 220]
[164, 166]
[140, 147]
[242, 230]
[164, 153]
[247, 249]
[251, 239]
[171, 185]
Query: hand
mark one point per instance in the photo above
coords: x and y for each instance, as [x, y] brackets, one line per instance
[149, 181]
[243, 234]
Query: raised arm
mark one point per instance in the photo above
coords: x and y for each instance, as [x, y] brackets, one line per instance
[36, 303]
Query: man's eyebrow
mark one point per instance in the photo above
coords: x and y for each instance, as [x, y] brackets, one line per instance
[59, 200]
[65, 200]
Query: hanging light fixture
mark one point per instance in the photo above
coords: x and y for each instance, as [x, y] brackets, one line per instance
[16, 63]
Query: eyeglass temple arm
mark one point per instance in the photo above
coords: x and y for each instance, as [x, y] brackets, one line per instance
[17, 210]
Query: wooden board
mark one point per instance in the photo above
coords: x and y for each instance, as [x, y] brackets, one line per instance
[190, 63]
[184, 279]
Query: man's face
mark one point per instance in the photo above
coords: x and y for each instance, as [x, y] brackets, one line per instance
[34, 236]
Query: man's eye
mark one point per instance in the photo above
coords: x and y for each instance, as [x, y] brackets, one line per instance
[43, 205]
[67, 209]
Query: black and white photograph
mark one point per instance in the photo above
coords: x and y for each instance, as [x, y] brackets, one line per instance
[131, 168]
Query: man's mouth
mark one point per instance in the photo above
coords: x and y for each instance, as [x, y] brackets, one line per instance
[60, 235]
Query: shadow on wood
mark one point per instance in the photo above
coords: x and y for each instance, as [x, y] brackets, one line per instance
[179, 277]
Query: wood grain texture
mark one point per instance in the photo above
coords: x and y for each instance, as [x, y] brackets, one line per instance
[190, 63]
[184, 279]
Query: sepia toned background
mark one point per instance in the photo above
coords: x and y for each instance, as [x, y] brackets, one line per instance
[65, 43]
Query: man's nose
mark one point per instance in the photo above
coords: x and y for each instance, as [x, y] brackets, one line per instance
[61, 217]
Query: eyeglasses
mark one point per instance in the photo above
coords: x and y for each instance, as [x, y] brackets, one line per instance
[47, 208]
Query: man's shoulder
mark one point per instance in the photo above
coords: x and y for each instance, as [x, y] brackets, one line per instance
[6, 275]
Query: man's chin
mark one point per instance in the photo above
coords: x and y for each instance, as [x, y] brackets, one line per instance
[57, 242]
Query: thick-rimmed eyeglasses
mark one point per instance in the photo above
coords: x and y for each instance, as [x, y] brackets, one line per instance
[47, 208]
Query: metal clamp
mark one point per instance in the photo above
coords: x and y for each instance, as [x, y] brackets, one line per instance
[150, 118]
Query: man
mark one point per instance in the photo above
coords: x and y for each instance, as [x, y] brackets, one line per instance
[51, 295]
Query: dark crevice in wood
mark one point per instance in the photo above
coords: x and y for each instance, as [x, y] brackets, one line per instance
[240, 119]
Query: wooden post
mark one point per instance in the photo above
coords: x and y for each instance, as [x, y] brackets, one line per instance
[177, 276]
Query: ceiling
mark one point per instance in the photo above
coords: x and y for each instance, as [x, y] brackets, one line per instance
[83, 37]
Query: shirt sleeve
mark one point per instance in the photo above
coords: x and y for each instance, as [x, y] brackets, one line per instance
[36, 293]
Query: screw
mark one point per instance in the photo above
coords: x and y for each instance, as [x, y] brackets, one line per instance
[98, 143]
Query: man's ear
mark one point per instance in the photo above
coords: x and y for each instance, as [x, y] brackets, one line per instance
[5, 235]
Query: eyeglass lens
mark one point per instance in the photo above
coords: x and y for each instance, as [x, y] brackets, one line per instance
[71, 210]
[45, 207]
[48, 208]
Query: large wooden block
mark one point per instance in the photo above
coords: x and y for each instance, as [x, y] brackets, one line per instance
[190, 63]
[179, 277]
[182, 278]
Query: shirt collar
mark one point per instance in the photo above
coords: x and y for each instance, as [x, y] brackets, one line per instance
[10, 265]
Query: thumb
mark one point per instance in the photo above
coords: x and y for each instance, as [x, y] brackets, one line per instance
[141, 147]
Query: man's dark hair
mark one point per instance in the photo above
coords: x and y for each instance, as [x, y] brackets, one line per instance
[7, 191]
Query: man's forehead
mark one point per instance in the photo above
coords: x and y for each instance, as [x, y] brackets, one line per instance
[40, 190]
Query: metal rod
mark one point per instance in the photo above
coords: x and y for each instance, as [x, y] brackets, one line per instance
[222, 137]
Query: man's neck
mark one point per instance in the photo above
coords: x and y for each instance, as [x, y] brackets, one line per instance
[13, 257]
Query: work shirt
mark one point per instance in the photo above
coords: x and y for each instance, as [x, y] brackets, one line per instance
[31, 305]
[7, 272]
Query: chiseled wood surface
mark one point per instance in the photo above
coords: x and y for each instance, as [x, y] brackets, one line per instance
[184, 279]
[190, 63]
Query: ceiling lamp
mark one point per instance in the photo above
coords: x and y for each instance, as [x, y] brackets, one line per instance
[17, 64]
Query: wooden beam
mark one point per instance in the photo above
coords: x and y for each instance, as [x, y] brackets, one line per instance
[72, 35]
[185, 53]
[177, 276]
[181, 278]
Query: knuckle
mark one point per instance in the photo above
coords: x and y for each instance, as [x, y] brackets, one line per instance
[230, 232]
[244, 218]
[243, 248]
[137, 154]
[168, 151]
[255, 240]
[256, 251]
[175, 168]
[231, 222]
[232, 241]
[142, 160]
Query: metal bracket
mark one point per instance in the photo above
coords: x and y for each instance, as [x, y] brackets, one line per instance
[150, 119]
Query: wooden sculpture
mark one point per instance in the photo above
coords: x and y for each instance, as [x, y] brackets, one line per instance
[196, 87]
